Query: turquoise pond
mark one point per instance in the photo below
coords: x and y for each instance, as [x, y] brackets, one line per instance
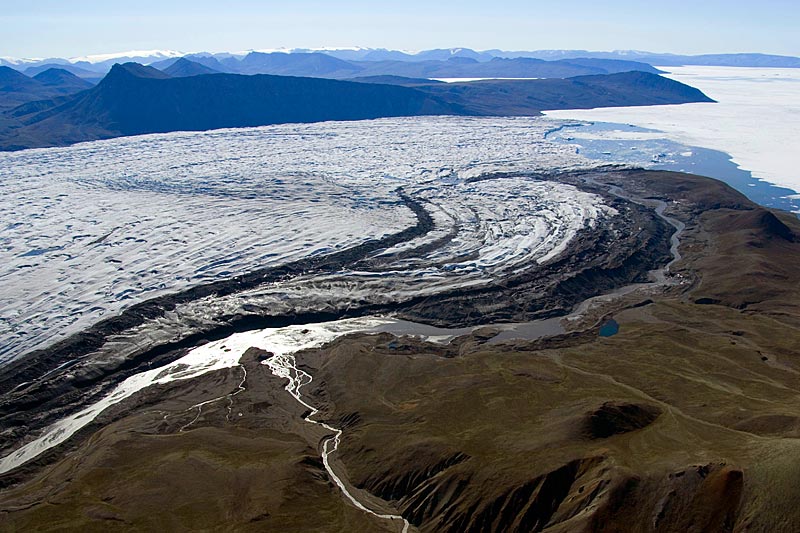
[609, 329]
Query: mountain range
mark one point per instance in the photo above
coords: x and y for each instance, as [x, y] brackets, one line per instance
[324, 65]
[317, 64]
[94, 67]
[135, 99]
[666, 60]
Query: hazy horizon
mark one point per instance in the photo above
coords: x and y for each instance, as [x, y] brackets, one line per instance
[52, 29]
[102, 55]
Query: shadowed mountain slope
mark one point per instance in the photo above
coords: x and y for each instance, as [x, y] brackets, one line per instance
[529, 97]
[63, 81]
[134, 99]
[16, 88]
[79, 72]
[424, 65]
[464, 67]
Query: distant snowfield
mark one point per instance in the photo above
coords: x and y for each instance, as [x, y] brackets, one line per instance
[88, 230]
[756, 119]
[151, 55]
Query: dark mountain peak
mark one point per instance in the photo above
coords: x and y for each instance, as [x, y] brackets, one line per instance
[13, 80]
[774, 226]
[80, 72]
[182, 61]
[9, 75]
[611, 66]
[183, 68]
[647, 82]
[59, 76]
[297, 64]
[133, 70]
[765, 224]
[17, 89]
[62, 82]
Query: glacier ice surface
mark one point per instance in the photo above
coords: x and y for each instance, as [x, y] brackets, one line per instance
[88, 230]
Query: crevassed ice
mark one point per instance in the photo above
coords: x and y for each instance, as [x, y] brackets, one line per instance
[90, 229]
[485, 231]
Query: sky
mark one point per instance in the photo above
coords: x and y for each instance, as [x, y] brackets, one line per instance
[58, 28]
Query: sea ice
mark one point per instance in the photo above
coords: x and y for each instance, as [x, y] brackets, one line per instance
[756, 118]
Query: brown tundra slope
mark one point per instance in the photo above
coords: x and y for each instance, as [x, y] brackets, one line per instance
[688, 419]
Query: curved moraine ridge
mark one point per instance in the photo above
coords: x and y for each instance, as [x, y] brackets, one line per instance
[498, 225]
[483, 232]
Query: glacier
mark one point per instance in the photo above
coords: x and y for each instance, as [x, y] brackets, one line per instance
[87, 230]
